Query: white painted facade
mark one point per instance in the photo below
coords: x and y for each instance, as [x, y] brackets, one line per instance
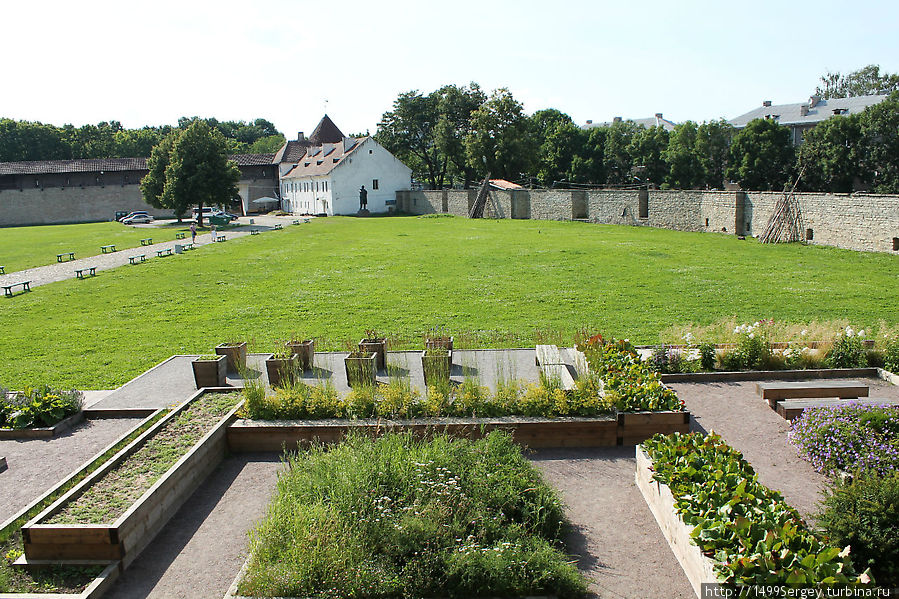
[336, 192]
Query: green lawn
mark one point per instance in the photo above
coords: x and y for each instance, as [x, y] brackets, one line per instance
[26, 247]
[491, 283]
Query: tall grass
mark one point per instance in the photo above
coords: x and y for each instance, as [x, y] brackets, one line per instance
[399, 517]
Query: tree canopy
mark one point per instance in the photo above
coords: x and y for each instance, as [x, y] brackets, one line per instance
[191, 168]
[761, 156]
[864, 82]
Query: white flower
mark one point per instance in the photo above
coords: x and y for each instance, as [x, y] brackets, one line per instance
[688, 337]
[752, 335]
[756, 324]
[861, 333]
[803, 332]
[736, 330]
[845, 551]
[849, 331]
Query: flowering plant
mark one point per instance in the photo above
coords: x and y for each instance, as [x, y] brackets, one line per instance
[853, 437]
[847, 350]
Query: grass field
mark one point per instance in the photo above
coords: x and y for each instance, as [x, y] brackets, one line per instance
[491, 283]
[27, 247]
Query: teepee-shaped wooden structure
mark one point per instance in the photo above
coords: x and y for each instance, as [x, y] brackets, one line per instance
[785, 224]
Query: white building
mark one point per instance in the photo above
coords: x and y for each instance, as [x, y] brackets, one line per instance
[329, 174]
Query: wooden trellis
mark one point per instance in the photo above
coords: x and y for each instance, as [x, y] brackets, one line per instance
[785, 224]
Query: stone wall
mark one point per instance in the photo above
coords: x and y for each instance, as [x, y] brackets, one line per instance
[859, 222]
[53, 205]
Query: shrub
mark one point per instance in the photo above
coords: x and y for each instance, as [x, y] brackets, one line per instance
[854, 437]
[754, 537]
[399, 517]
[891, 356]
[864, 515]
[632, 383]
[751, 353]
[38, 406]
[847, 351]
[707, 356]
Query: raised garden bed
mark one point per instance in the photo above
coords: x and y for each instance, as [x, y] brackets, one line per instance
[210, 372]
[378, 345]
[361, 368]
[256, 435]
[113, 513]
[774, 375]
[43, 432]
[305, 352]
[236, 353]
[281, 369]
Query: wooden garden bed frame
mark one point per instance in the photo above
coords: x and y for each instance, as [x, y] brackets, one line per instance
[626, 429]
[698, 568]
[43, 432]
[125, 538]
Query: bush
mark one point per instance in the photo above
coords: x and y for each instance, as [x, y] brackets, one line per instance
[399, 517]
[865, 515]
[707, 356]
[891, 356]
[854, 437]
[847, 351]
[38, 406]
[751, 353]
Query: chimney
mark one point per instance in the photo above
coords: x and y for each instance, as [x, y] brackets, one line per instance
[766, 103]
[803, 110]
[659, 115]
[300, 136]
[589, 121]
[813, 101]
[617, 119]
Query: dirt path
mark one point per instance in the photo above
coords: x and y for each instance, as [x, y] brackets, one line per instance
[35, 465]
[200, 551]
[622, 549]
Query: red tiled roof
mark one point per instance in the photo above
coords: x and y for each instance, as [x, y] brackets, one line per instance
[503, 184]
[321, 160]
[325, 132]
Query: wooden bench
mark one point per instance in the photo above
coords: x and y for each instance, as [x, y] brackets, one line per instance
[180, 235]
[143, 258]
[296, 222]
[163, 252]
[2, 270]
[79, 272]
[7, 289]
[71, 256]
[790, 409]
[773, 392]
[147, 241]
[107, 248]
[220, 238]
[278, 226]
[187, 246]
[254, 231]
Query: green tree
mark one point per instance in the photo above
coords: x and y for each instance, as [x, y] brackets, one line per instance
[646, 149]
[198, 171]
[713, 141]
[864, 82]
[152, 186]
[24, 140]
[830, 154]
[560, 142]
[588, 166]
[454, 108]
[685, 169]
[761, 156]
[880, 140]
[617, 159]
[267, 145]
[500, 142]
[408, 132]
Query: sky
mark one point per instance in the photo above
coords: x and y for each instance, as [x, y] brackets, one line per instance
[148, 63]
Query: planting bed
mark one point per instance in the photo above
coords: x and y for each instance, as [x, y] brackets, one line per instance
[113, 513]
[43, 432]
[395, 516]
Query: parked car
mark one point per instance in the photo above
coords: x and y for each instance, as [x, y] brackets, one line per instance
[135, 213]
[137, 219]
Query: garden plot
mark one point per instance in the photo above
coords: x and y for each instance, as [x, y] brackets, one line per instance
[113, 513]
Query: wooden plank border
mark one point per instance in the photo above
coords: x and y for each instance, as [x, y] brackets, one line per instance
[698, 568]
[132, 531]
[774, 375]
[96, 589]
[43, 432]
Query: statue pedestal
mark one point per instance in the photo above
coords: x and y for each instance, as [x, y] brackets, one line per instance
[363, 212]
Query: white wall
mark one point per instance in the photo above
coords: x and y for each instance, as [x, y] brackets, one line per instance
[367, 162]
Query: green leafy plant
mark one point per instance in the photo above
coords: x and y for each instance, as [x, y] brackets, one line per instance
[752, 535]
[38, 406]
[864, 515]
[891, 356]
[847, 351]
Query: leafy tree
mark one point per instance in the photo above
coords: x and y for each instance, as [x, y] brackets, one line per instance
[267, 145]
[560, 142]
[761, 156]
[454, 108]
[24, 140]
[588, 165]
[152, 186]
[500, 142]
[408, 132]
[864, 82]
[879, 126]
[713, 141]
[685, 169]
[617, 160]
[198, 171]
[829, 157]
[646, 149]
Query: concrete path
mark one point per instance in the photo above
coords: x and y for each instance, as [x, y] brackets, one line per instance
[42, 275]
[200, 551]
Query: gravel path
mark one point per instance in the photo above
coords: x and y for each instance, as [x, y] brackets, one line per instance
[743, 418]
[35, 465]
[621, 549]
[200, 551]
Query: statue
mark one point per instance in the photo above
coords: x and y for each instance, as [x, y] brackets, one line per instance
[363, 199]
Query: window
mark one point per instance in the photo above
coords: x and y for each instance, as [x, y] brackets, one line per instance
[643, 201]
[809, 234]
[369, 151]
[374, 183]
[316, 186]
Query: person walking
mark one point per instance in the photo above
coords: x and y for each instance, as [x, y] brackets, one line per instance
[212, 230]
[193, 232]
